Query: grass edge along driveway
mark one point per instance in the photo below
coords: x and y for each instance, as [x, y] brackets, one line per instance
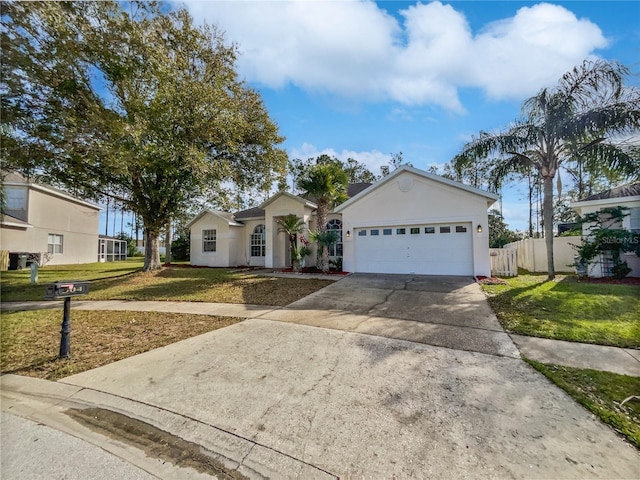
[602, 394]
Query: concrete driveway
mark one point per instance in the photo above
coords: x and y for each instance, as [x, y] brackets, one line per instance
[444, 311]
[336, 402]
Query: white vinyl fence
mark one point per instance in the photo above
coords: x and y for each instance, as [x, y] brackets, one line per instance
[504, 262]
[532, 253]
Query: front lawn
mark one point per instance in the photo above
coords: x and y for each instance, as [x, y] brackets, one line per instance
[31, 340]
[171, 283]
[601, 393]
[567, 309]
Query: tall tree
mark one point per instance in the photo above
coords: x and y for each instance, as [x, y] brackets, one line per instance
[499, 233]
[357, 172]
[133, 102]
[587, 111]
[396, 161]
[327, 184]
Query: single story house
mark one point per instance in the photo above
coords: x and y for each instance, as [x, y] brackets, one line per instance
[410, 221]
[624, 196]
[40, 219]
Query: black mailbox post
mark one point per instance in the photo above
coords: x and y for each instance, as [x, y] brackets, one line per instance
[66, 290]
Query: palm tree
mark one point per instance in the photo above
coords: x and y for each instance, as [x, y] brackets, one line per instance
[588, 112]
[292, 226]
[327, 184]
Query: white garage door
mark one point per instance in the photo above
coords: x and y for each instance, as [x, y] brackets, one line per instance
[429, 249]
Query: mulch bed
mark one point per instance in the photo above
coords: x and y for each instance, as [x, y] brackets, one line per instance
[490, 281]
[313, 270]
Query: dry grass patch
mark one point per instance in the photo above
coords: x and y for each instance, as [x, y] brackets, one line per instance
[31, 340]
[205, 285]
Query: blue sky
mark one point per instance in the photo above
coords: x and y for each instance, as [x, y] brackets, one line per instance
[368, 79]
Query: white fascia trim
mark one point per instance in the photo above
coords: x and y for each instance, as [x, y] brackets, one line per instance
[421, 173]
[605, 201]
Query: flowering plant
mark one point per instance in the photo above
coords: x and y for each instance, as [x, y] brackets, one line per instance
[301, 249]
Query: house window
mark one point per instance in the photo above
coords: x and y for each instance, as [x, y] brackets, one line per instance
[209, 240]
[461, 229]
[335, 250]
[54, 243]
[634, 220]
[362, 233]
[401, 231]
[387, 231]
[258, 242]
[375, 232]
[415, 230]
[445, 229]
[429, 229]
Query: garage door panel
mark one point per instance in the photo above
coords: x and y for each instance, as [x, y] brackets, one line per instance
[420, 253]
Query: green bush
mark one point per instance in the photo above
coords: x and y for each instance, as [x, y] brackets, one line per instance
[180, 249]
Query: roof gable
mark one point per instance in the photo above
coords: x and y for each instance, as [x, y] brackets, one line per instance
[304, 201]
[489, 197]
[224, 216]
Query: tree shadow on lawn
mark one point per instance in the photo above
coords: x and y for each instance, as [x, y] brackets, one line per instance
[219, 286]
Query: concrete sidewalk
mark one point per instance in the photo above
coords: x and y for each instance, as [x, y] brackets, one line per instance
[624, 361]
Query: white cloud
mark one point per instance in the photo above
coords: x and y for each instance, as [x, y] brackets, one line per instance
[372, 159]
[357, 49]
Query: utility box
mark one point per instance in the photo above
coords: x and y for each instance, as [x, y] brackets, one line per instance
[70, 288]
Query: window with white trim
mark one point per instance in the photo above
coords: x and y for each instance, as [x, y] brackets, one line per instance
[258, 243]
[335, 225]
[54, 243]
[209, 240]
[634, 219]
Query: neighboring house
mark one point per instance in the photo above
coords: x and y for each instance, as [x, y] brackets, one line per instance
[411, 221]
[40, 219]
[624, 196]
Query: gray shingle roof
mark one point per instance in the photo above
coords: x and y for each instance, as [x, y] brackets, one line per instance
[249, 213]
[256, 212]
[628, 190]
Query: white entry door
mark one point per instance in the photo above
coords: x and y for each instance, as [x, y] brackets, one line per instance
[427, 249]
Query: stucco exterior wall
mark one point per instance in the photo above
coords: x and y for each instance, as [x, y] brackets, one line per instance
[50, 214]
[277, 243]
[236, 248]
[412, 199]
[224, 237]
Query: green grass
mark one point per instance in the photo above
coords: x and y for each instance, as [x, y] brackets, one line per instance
[567, 309]
[15, 285]
[601, 393]
[125, 281]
